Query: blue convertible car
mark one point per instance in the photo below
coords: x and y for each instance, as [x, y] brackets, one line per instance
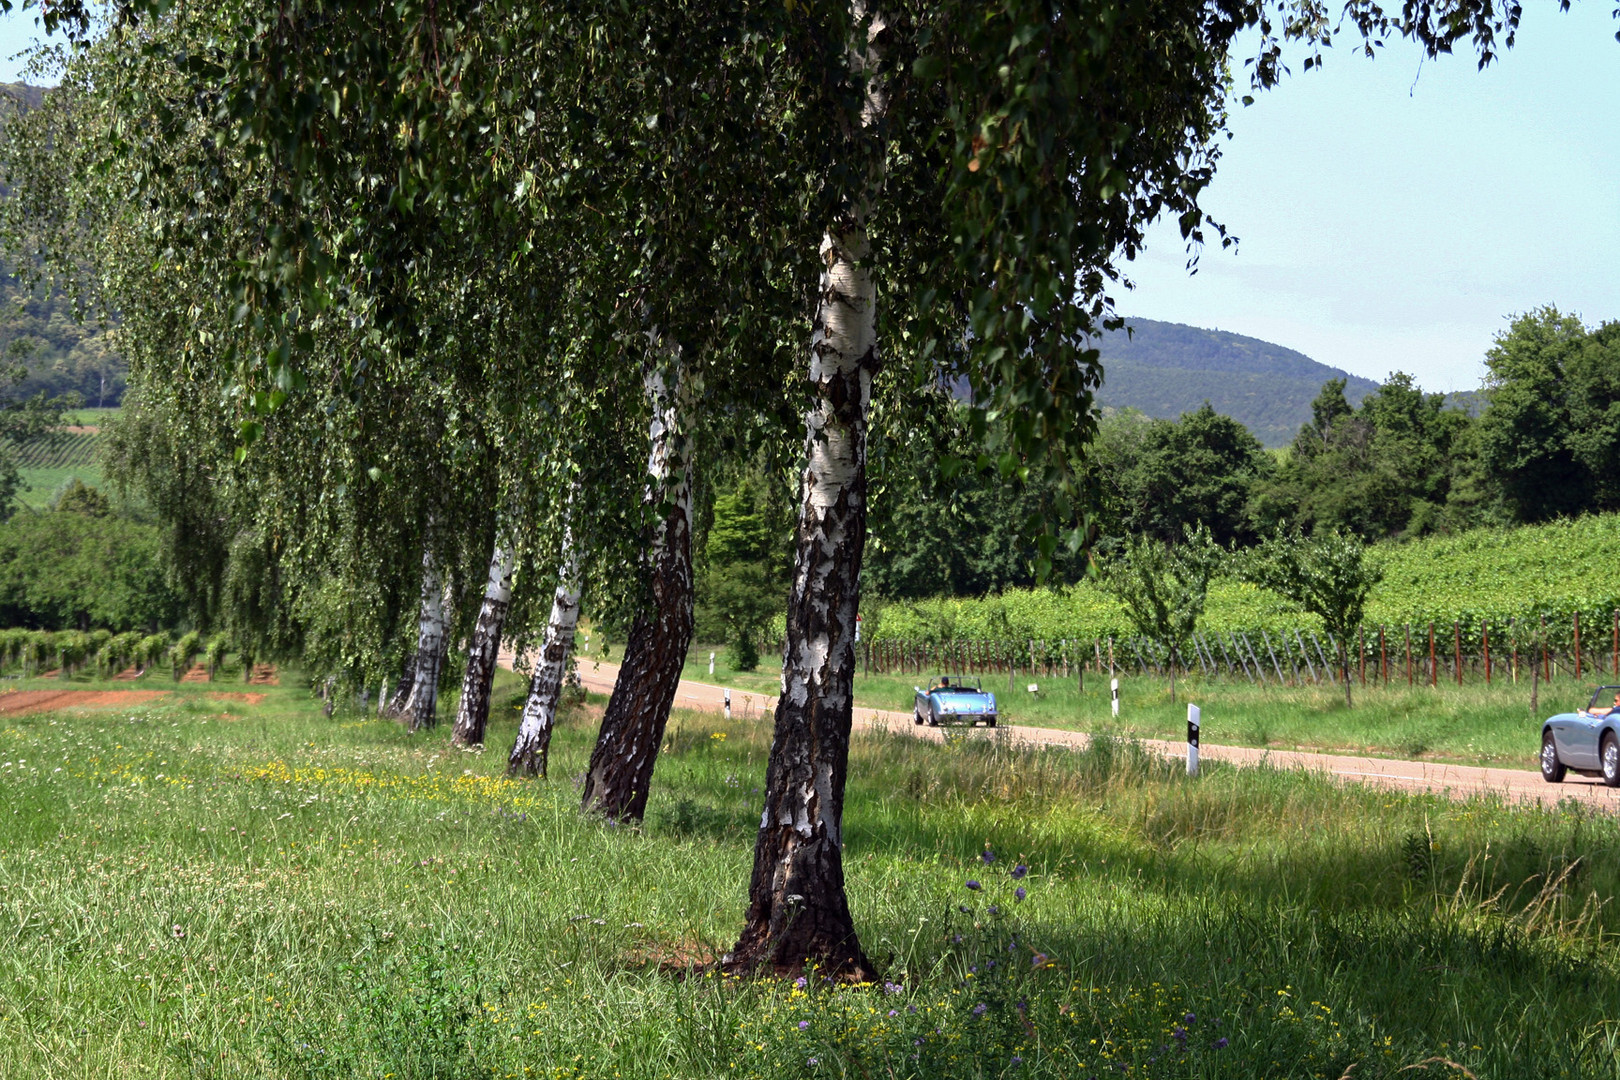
[954, 699]
[1587, 741]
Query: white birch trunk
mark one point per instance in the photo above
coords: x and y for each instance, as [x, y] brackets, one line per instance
[421, 706]
[472, 712]
[798, 911]
[533, 745]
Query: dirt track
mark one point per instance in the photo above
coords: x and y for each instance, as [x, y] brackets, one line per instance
[1460, 781]
[20, 702]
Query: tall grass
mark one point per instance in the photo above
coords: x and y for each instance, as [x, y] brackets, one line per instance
[212, 888]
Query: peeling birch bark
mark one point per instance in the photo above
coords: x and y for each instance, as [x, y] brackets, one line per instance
[798, 912]
[533, 745]
[421, 705]
[621, 766]
[472, 713]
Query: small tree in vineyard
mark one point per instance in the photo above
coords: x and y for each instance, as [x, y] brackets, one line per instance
[1330, 575]
[1163, 588]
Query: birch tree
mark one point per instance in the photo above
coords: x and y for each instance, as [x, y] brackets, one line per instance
[472, 713]
[621, 767]
[531, 750]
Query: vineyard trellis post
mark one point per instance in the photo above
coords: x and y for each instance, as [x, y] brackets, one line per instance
[1383, 657]
[1513, 638]
[1577, 618]
[1327, 668]
[1409, 656]
[1485, 642]
[1456, 633]
[1293, 665]
[1546, 661]
[1306, 653]
[1434, 670]
[1361, 652]
[1615, 670]
[1259, 670]
[1273, 653]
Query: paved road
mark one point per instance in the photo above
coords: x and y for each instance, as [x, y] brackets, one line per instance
[1516, 785]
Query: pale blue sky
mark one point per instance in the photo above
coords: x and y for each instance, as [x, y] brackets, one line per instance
[1392, 214]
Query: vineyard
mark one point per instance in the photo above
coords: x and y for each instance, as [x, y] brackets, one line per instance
[1471, 605]
[59, 450]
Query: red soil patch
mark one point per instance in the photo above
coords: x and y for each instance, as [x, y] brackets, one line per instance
[19, 702]
[129, 674]
[198, 673]
[264, 675]
[227, 695]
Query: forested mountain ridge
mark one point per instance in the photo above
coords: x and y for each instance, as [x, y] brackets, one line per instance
[1167, 369]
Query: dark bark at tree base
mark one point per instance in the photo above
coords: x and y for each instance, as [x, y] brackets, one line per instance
[621, 768]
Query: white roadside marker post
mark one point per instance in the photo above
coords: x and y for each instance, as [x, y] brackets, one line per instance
[711, 663]
[1113, 688]
[728, 704]
[1192, 740]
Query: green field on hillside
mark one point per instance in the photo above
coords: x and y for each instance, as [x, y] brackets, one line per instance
[52, 462]
[202, 886]
[1494, 574]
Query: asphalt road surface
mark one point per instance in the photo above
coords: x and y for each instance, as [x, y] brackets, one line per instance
[1459, 781]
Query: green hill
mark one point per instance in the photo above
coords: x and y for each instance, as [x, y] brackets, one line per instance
[1166, 369]
[1490, 574]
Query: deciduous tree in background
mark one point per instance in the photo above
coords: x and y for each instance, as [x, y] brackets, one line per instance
[1163, 588]
[1330, 575]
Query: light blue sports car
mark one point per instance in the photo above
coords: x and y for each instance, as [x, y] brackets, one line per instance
[1586, 741]
[954, 699]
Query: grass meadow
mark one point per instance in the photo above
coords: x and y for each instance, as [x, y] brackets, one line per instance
[1472, 724]
[204, 887]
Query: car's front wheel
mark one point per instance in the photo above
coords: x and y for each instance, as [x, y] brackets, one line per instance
[1609, 758]
[1552, 770]
[917, 717]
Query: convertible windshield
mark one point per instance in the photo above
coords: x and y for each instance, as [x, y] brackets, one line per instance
[1604, 698]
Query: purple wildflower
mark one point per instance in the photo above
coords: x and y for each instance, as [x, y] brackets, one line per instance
[1019, 871]
[804, 1025]
[994, 910]
[1019, 894]
[911, 1008]
[894, 1012]
[813, 1061]
[800, 982]
[1016, 1060]
[980, 1009]
[1038, 960]
[892, 988]
[1190, 1018]
[1218, 1044]
[974, 885]
[988, 856]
